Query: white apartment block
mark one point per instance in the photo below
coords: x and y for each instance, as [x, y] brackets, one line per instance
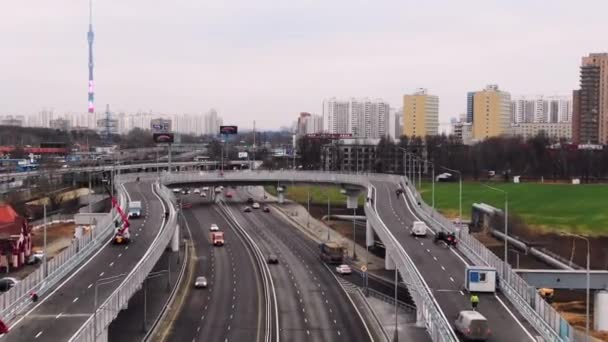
[363, 118]
[540, 109]
[557, 130]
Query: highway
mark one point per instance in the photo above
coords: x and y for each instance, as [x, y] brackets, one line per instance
[230, 309]
[443, 270]
[58, 315]
[312, 305]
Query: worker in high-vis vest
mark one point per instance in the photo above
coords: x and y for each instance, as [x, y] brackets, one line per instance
[474, 301]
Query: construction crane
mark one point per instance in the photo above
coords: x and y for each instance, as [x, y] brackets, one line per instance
[121, 235]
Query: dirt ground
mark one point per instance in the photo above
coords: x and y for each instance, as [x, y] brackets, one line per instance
[58, 238]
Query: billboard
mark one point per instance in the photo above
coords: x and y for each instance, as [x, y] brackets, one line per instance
[160, 138]
[228, 129]
[330, 135]
[160, 125]
[242, 155]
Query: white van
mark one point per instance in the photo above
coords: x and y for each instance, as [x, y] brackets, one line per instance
[472, 325]
[419, 228]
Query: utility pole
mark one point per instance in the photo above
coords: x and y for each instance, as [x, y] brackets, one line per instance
[253, 144]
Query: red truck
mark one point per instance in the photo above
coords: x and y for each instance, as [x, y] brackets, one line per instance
[217, 238]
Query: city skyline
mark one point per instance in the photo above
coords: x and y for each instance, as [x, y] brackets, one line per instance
[204, 60]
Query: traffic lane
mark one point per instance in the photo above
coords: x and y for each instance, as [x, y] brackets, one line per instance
[452, 299]
[72, 304]
[343, 315]
[203, 306]
[301, 318]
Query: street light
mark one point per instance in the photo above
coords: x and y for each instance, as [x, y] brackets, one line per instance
[506, 225]
[99, 282]
[588, 281]
[396, 334]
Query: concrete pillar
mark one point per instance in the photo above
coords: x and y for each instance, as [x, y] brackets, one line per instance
[600, 311]
[175, 240]
[420, 319]
[103, 336]
[369, 235]
[389, 263]
[281, 194]
[352, 196]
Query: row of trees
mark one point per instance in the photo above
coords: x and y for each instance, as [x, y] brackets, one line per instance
[508, 156]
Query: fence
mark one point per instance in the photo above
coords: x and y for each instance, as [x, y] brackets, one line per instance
[109, 309]
[17, 299]
[543, 317]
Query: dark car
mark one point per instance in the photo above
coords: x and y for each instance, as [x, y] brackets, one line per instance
[266, 209]
[247, 210]
[273, 259]
[250, 200]
[7, 283]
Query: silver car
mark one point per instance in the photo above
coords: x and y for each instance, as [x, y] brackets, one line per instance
[200, 282]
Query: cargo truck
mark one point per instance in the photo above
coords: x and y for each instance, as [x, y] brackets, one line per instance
[135, 209]
[331, 252]
[217, 238]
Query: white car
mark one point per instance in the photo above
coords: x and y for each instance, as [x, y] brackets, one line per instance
[200, 282]
[197, 191]
[205, 188]
[214, 228]
[256, 205]
[344, 269]
[419, 228]
[177, 190]
[203, 194]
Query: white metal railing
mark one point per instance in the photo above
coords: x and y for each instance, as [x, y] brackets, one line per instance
[109, 309]
[17, 299]
[543, 317]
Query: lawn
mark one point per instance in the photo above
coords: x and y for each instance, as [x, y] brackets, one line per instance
[576, 208]
[318, 195]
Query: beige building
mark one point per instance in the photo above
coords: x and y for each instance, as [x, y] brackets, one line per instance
[491, 113]
[557, 130]
[590, 114]
[420, 114]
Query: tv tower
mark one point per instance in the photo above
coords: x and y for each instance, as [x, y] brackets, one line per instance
[90, 36]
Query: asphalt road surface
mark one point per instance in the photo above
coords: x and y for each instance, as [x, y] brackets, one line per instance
[444, 269]
[230, 309]
[58, 315]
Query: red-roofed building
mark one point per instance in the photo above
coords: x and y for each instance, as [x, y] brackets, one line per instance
[15, 238]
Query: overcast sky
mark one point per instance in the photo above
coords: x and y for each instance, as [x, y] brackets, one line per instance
[269, 60]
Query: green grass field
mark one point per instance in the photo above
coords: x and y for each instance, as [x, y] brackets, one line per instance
[575, 208]
[318, 195]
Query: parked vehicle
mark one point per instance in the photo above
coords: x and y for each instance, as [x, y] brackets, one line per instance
[472, 325]
[344, 269]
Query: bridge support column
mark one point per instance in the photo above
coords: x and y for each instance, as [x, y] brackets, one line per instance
[389, 262]
[175, 240]
[352, 197]
[281, 194]
[600, 314]
[103, 336]
[369, 235]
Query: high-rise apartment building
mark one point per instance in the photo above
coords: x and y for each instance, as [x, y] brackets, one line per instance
[538, 109]
[470, 99]
[590, 104]
[420, 114]
[491, 113]
[363, 118]
[309, 124]
[212, 123]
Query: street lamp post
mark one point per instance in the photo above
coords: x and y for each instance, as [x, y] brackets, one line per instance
[396, 334]
[354, 235]
[587, 321]
[506, 225]
[328, 216]
[308, 201]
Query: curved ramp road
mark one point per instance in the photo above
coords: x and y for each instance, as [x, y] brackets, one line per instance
[312, 305]
[443, 270]
[58, 315]
[230, 309]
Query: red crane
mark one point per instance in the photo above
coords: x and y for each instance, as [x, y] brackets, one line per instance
[122, 234]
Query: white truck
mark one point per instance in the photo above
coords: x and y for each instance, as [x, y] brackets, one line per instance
[419, 228]
[134, 209]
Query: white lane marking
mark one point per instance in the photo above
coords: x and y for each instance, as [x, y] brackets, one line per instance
[119, 255]
[435, 258]
[515, 318]
[75, 300]
[61, 313]
[451, 279]
[38, 334]
[112, 264]
[90, 285]
[443, 268]
[101, 274]
[462, 293]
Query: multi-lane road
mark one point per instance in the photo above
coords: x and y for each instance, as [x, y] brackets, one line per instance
[230, 309]
[58, 315]
[443, 270]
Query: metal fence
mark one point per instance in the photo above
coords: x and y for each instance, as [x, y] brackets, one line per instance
[543, 317]
[109, 309]
[17, 299]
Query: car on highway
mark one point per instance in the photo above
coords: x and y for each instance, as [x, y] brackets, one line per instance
[177, 190]
[214, 228]
[247, 210]
[250, 200]
[205, 188]
[204, 194]
[184, 192]
[7, 283]
[419, 228]
[273, 259]
[200, 282]
[197, 191]
[472, 325]
[266, 209]
[256, 205]
[229, 194]
[344, 269]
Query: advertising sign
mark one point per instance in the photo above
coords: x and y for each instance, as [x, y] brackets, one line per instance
[160, 125]
[242, 155]
[228, 129]
[161, 138]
